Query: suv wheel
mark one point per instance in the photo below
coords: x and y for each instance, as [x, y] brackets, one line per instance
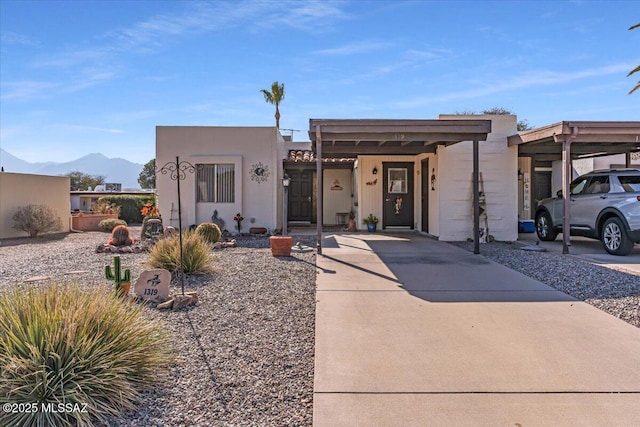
[614, 237]
[544, 227]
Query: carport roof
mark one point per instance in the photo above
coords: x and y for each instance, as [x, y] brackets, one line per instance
[591, 140]
[350, 137]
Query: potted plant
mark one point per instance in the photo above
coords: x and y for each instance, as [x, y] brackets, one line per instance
[372, 222]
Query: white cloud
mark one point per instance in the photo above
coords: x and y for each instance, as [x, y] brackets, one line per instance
[354, 48]
[26, 89]
[524, 80]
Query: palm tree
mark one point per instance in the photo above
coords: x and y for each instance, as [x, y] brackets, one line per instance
[275, 97]
[637, 69]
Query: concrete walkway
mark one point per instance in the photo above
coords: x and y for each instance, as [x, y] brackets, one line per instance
[415, 332]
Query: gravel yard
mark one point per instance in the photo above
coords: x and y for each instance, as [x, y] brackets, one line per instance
[244, 352]
[612, 291]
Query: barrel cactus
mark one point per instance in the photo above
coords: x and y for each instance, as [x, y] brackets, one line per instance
[209, 231]
[120, 236]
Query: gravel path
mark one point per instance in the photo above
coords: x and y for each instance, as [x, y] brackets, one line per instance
[244, 353]
[612, 291]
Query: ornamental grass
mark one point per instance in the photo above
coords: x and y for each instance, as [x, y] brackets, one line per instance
[88, 349]
[196, 254]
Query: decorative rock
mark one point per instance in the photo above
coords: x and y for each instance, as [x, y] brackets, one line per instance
[153, 285]
[170, 231]
[181, 301]
[165, 305]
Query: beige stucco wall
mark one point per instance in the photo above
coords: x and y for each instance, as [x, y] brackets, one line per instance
[336, 185]
[499, 167]
[18, 189]
[242, 146]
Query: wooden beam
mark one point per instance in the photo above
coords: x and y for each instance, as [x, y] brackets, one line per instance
[350, 151]
[319, 187]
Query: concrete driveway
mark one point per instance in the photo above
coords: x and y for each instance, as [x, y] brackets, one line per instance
[589, 250]
[415, 332]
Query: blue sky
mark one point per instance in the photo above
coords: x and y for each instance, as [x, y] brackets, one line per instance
[78, 77]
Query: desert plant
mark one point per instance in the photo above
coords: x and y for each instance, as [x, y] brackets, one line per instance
[109, 224]
[89, 349]
[120, 236]
[36, 219]
[196, 253]
[104, 207]
[209, 231]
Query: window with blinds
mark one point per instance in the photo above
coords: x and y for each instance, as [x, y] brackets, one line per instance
[215, 183]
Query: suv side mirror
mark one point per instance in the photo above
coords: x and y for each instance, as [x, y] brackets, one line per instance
[559, 194]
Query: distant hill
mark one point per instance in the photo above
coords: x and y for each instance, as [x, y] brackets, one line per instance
[114, 170]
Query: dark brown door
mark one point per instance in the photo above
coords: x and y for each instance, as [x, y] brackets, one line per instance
[397, 194]
[300, 195]
[425, 174]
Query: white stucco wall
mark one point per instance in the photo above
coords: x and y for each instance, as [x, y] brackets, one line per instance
[21, 189]
[242, 146]
[499, 167]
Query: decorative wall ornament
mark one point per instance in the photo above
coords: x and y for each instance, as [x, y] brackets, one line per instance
[433, 179]
[398, 205]
[259, 172]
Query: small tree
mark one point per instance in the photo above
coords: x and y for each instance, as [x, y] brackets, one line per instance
[81, 181]
[35, 219]
[147, 178]
[522, 125]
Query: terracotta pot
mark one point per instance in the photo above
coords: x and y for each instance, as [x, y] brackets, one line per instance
[281, 245]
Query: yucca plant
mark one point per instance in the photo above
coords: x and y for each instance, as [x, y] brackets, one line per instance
[196, 253]
[64, 344]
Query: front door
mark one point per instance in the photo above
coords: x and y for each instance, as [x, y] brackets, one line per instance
[397, 194]
[300, 195]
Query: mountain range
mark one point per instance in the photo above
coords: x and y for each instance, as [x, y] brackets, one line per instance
[114, 170]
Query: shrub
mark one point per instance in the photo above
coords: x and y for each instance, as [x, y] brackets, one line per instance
[130, 205]
[109, 224]
[35, 219]
[209, 231]
[63, 344]
[104, 207]
[196, 253]
[120, 236]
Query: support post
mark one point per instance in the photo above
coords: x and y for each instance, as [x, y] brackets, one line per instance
[627, 160]
[319, 187]
[566, 190]
[476, 199]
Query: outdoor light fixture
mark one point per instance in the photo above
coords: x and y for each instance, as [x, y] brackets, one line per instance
[433, 179]
[286, 180]
[375, 170]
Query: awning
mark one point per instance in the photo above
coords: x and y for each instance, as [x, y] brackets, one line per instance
[567, 141]
[353, 137]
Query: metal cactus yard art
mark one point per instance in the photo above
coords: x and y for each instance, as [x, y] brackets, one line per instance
[117, 277]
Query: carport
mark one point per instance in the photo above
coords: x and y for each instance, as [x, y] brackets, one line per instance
[567, 141]
[332, 138]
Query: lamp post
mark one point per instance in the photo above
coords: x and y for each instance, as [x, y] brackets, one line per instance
[285, 200]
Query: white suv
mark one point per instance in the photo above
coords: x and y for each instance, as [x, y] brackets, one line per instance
[605, 205]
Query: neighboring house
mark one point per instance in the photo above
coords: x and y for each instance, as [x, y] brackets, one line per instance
[21, 189]
[83, 201]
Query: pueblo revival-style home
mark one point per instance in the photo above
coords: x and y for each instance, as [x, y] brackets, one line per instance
[410, 174]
